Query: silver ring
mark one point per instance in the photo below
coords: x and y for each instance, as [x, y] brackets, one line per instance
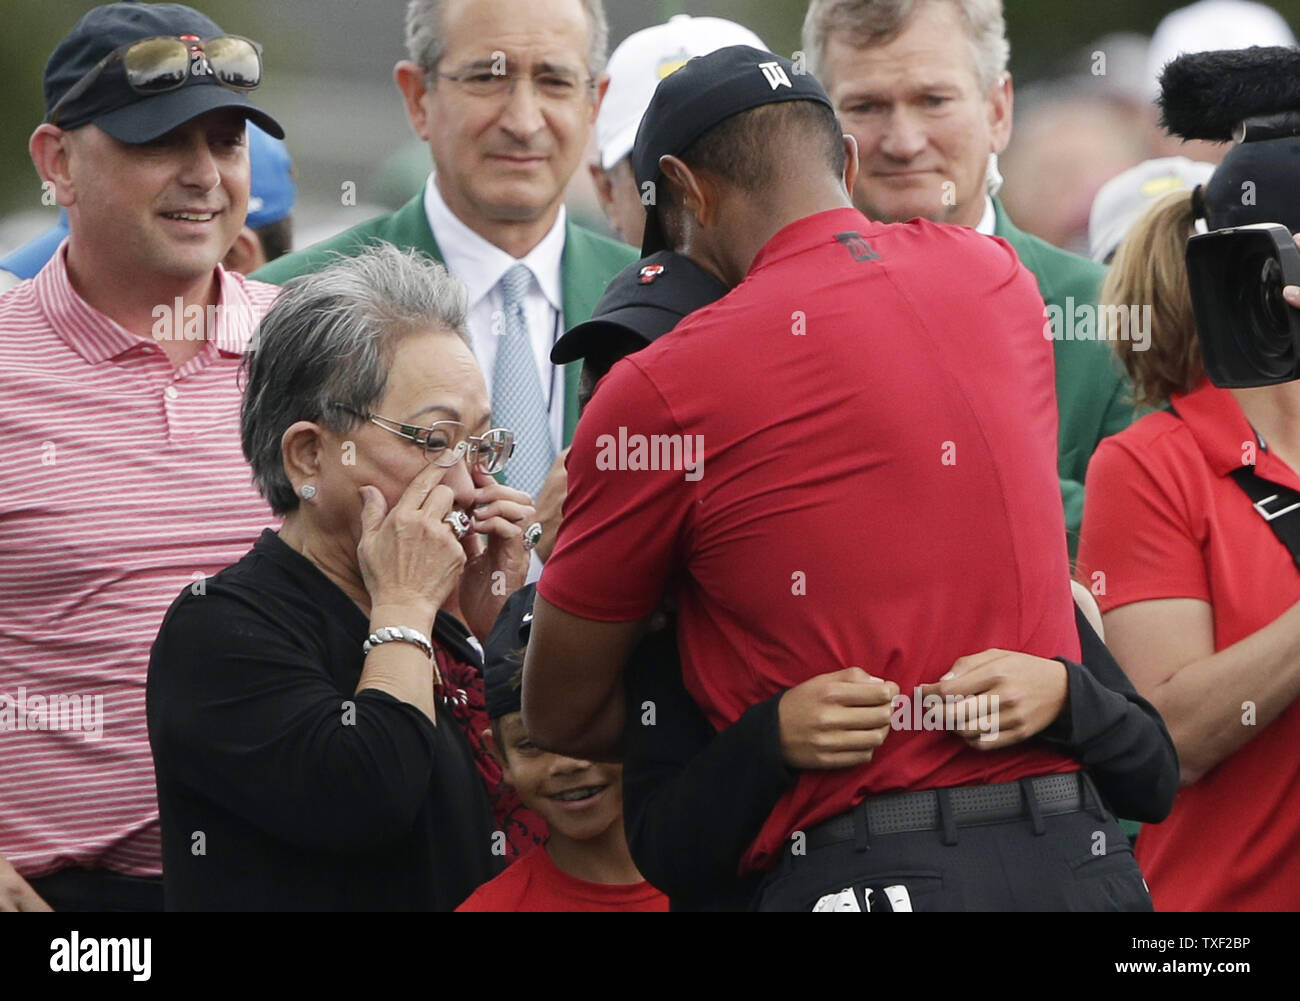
[532, 536]
[459, 522]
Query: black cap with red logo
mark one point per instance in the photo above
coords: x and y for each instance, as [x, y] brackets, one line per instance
[641, 303]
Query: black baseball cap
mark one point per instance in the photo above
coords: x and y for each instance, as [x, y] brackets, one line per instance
[641, 303]
[1271, 167]
[502, 653]
[110, 102]
[707, 90]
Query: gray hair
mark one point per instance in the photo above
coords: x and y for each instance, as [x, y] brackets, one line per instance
[324, 350]
[425, 44]
[877, 22]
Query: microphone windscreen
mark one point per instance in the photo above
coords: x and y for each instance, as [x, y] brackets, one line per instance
[1206, 95]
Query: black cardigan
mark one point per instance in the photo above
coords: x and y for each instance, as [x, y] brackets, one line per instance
[282, 788]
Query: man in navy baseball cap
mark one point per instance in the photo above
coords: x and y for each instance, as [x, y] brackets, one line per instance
[267, 232]
[139, 70]
[145, 146]
[706, 91]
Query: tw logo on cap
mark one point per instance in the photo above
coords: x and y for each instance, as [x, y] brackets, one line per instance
[650, 272]
[775, 74]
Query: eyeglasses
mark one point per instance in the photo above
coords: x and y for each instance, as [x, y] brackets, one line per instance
[485, 79]
[446, 443]
[157, 65]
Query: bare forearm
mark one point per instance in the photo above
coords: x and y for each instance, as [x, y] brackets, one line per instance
[1215, 705]
[402, 670]
[573, 682]
[598, 737]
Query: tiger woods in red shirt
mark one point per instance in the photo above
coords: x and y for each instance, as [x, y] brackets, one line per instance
[849, 460]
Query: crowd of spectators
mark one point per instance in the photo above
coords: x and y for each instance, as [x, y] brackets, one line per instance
[472, 559]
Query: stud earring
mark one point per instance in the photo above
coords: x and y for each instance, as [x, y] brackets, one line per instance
[307, 491]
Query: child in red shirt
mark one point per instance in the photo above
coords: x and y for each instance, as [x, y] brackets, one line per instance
[584, 864]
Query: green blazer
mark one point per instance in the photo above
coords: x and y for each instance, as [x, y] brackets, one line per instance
[1093, 397]
[589, 262]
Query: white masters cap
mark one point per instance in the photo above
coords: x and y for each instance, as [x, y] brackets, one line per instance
[1123, 199]
[642, 60]
[1210, 25]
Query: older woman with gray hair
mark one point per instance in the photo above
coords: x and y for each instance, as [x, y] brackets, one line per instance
[315, 710]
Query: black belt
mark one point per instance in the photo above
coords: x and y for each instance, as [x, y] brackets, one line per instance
[77, 889]
[921, 811]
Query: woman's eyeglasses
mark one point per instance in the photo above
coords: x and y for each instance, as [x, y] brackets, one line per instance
[446, 443]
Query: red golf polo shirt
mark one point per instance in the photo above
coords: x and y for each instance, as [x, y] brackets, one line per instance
[1163, 518]
[861, 450]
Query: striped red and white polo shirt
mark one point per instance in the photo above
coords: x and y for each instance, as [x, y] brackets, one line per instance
[121, 482]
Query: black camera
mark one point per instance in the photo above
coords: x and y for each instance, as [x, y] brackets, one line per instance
[1249, 335]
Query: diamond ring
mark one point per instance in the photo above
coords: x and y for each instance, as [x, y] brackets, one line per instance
[459, 522]
[532, 535]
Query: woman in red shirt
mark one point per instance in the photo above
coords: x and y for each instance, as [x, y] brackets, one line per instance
[1200, 600]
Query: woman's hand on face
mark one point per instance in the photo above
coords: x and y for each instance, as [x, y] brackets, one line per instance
[410, 558]
[496, 570]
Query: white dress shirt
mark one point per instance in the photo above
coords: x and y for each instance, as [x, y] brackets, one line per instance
[480, 265]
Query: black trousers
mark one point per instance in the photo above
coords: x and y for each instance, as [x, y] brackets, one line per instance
[1080, 861]
[99, 890]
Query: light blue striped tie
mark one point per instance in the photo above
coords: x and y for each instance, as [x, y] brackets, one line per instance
[518, 402]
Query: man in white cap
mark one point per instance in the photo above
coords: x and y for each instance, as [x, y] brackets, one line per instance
[635, 69]
[1124, 199]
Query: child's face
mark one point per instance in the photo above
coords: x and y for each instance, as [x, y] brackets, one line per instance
[579, 799]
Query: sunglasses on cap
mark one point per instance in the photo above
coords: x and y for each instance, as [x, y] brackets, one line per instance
[164, 63]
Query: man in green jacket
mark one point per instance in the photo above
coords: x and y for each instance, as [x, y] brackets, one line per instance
[506, 105]
[925, 92]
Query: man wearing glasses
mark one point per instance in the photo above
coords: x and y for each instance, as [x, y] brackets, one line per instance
[121, 476]
[506, 104]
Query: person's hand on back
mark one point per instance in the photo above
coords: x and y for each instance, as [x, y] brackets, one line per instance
[835, 720]
[1022, 695]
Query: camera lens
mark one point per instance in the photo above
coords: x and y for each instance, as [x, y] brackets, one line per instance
[1265, 335]
[1272, 307]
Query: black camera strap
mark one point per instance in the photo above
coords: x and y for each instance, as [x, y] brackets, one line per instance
[1279, 506]
[1276, 504]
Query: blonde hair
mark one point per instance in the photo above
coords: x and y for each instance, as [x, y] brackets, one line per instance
[1149, 269]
